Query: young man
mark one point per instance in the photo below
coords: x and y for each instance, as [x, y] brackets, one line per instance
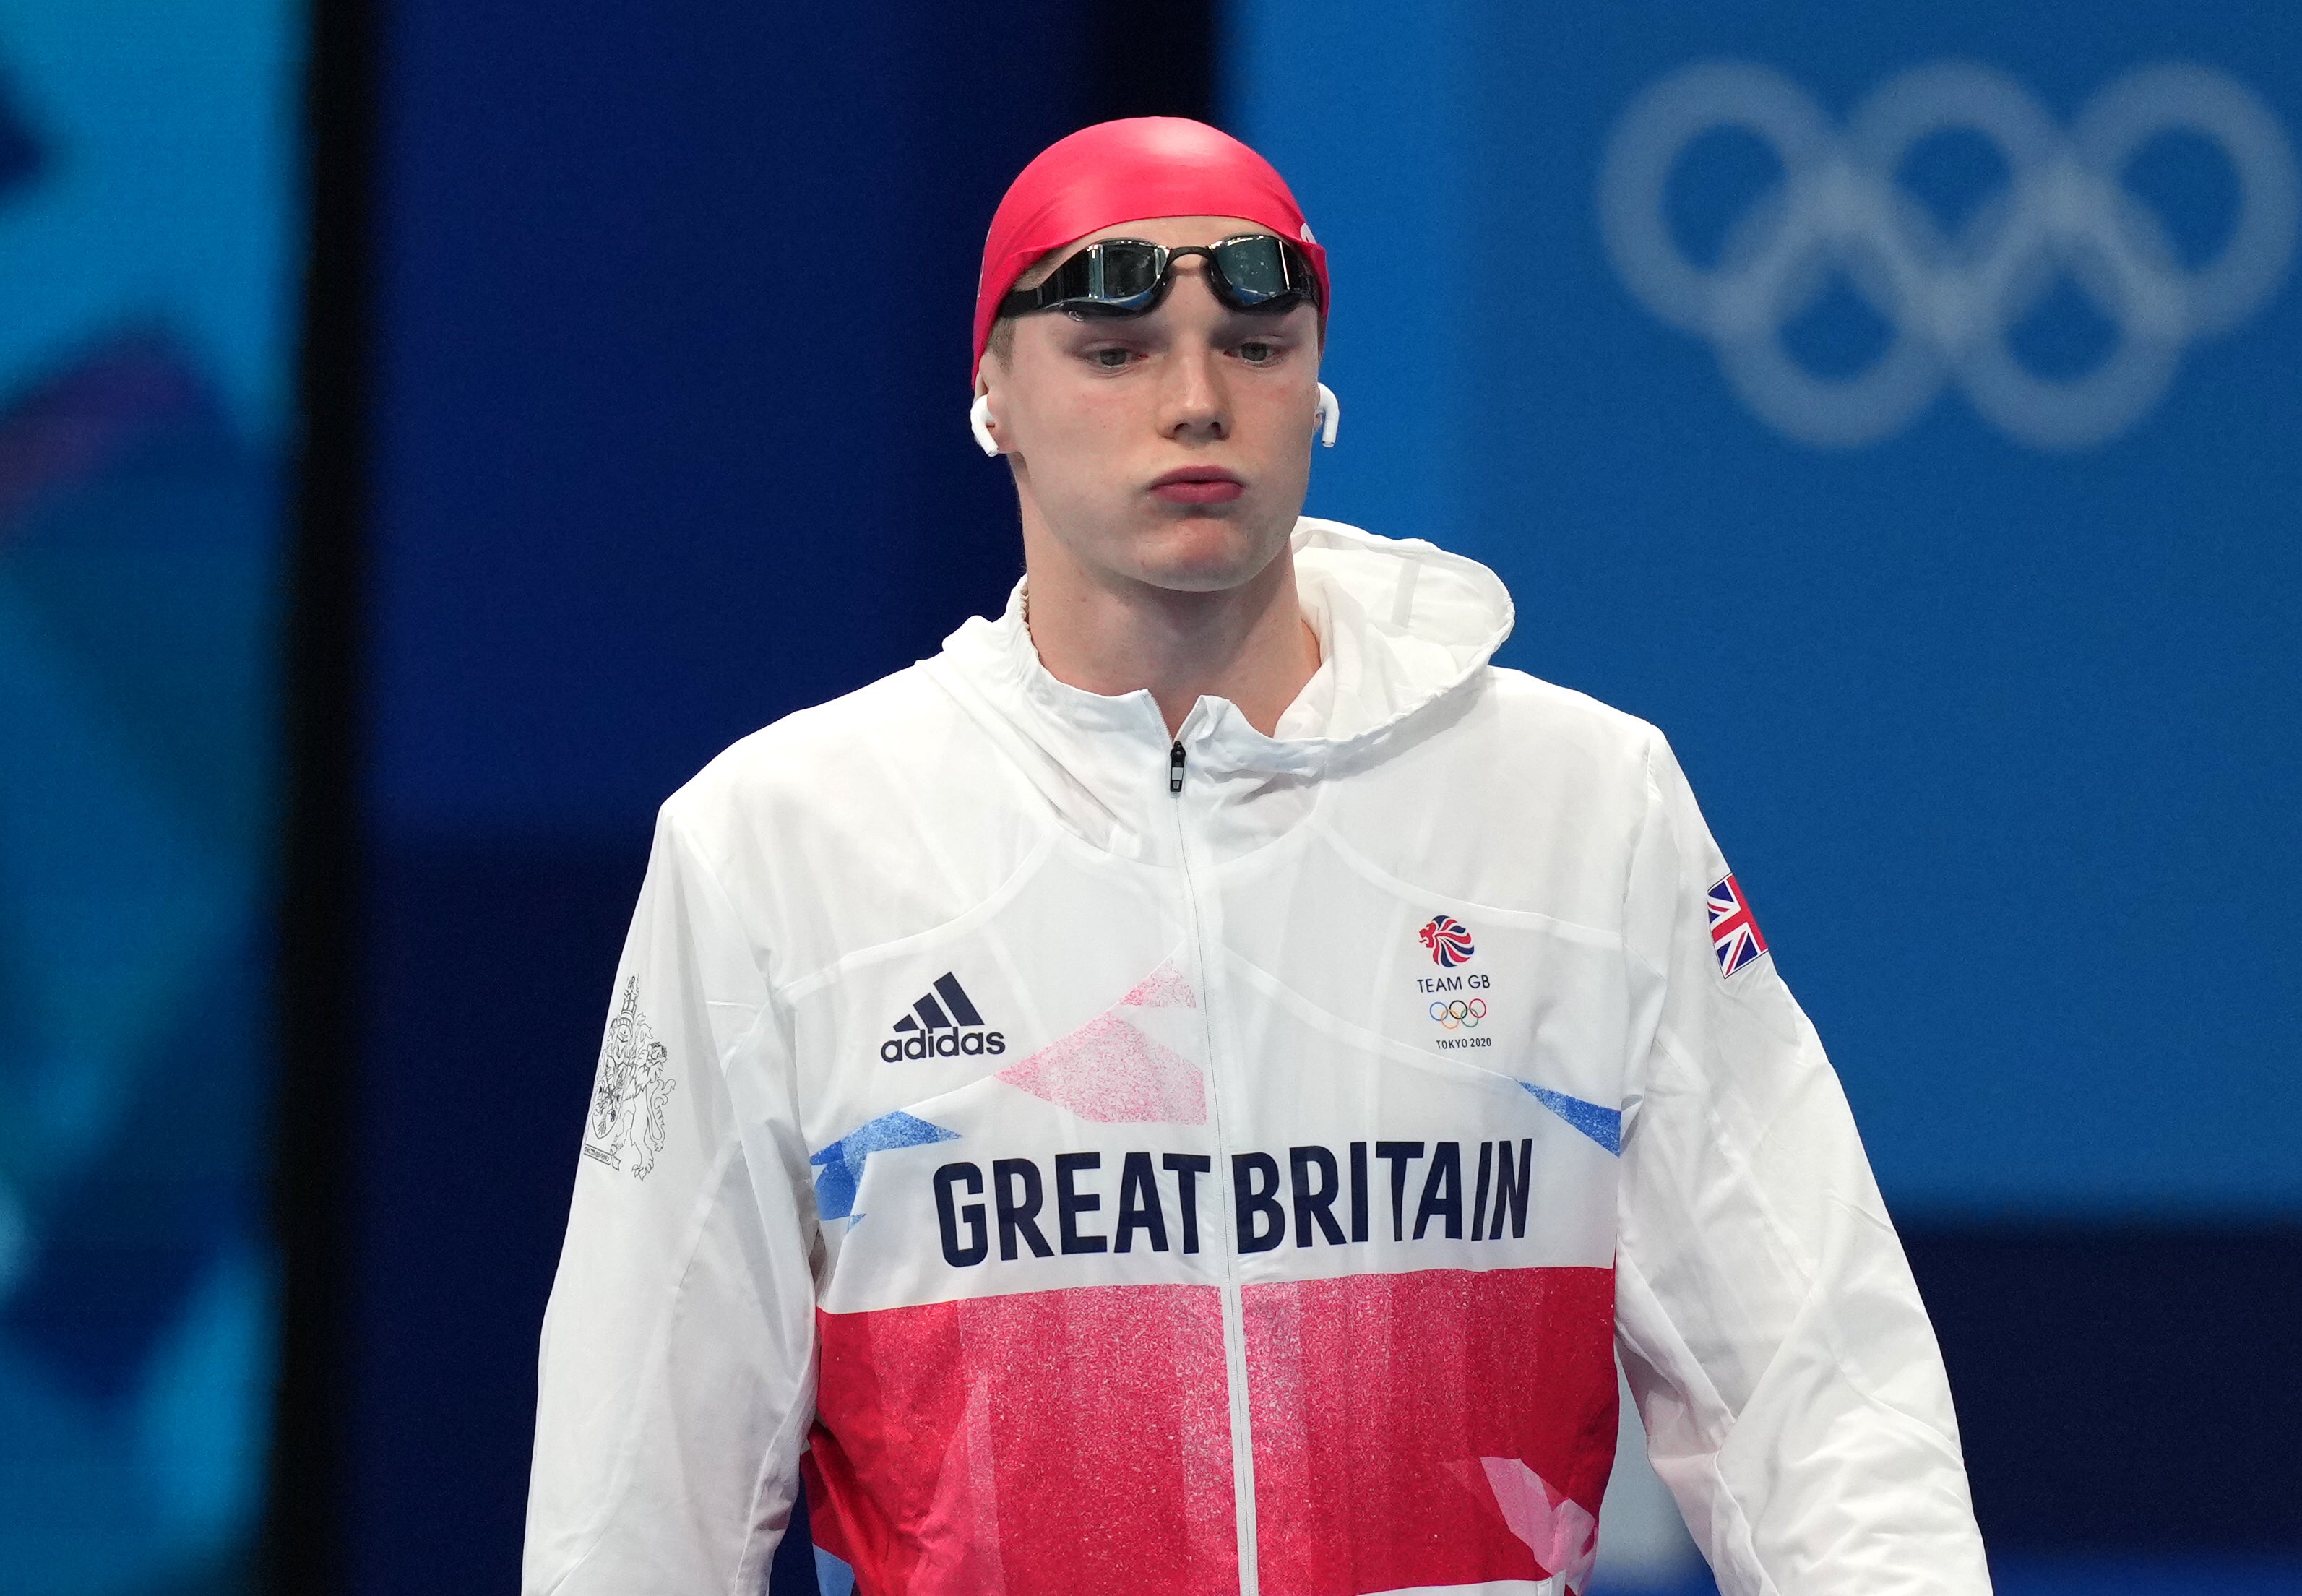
[1192, 1088]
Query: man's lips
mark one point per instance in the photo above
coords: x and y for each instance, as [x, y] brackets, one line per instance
[1198, 485]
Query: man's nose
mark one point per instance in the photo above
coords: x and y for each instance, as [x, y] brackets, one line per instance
[1194, 401]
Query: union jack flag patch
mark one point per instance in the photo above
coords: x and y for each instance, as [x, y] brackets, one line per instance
[1734, 935]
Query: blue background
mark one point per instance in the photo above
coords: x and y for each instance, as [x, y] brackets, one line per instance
[2003, 744]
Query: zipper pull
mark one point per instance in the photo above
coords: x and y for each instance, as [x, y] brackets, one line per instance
[1175, 769]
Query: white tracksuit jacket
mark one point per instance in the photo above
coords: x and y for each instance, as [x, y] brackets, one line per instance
[1102, 1166]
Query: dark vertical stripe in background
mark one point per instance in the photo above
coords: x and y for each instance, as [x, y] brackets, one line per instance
[322, 845]
[1151, 60]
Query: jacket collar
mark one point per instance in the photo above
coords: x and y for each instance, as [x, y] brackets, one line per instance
[1402, 626]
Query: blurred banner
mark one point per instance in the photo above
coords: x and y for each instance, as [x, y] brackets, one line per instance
[1898, 405]
[148, 218]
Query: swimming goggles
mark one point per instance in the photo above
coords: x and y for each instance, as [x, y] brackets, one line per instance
[1117, 277]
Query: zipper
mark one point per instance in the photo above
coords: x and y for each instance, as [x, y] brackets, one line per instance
[1234, 1313]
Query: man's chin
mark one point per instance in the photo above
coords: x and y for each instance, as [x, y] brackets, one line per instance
[1205, 557]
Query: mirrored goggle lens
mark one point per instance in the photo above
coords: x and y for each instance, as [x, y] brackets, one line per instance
[1121, 270]
[1255, 269]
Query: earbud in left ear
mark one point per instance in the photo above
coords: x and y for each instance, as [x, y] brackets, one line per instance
[1329, 416]
[978, 421]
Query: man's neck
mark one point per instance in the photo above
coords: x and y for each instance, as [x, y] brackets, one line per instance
[1249, 644]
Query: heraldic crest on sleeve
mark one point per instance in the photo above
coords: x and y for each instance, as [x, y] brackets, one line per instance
[627, 1105]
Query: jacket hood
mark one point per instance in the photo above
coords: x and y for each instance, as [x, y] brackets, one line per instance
[1403, 627]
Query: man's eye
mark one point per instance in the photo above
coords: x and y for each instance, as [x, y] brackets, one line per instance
[1110, 360]
[1256, 354]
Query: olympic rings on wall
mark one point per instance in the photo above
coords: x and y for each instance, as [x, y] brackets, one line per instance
[1951, 301]
[1460, 1014]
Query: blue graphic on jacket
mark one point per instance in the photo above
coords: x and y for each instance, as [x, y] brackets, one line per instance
[1601, 1125]
[842, 1163]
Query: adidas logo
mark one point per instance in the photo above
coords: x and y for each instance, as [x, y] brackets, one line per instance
[942, 1030]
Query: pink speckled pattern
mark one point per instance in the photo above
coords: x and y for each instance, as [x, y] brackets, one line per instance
[958, 1537]
[1109, 1072]
[1045, 1443]
[1163, 989]
[1562, 1532]
[1375, 1397]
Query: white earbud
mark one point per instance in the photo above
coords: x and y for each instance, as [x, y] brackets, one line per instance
[1329, 414]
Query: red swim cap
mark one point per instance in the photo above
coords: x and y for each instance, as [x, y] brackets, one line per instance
[1129, 171]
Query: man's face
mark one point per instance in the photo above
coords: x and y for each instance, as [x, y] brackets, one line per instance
[1171, 448]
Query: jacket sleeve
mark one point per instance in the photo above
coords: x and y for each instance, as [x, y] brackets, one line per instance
[676, 1375]
[1795, 1398]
